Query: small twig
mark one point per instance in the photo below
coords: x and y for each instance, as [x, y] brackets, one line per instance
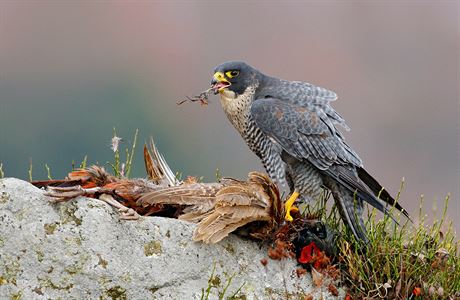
[202, 97]
[48, 171]
[208, 289]
[30, 169]
[129, 157]
[115, 142]
[237, 291]
[83, 162]
[229, 281]
[218, 175]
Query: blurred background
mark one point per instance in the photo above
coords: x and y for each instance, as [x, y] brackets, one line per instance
[71, 71]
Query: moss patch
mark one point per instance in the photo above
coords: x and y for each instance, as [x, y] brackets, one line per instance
[229, 248]
[242, 297]
[4, 197]
[116, 293]
[102, 262]
[47, 283]
[40, 254]
[38, 291]
[104, 280]
[67, 213]
[72, 240]
[126, 277]
[215, 281]
[20, 214]
[152, 248]
[50, 228]
[16, 296]
[78, 266]
[12, 270]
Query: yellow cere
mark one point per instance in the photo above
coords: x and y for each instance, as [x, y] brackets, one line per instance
[219, 76]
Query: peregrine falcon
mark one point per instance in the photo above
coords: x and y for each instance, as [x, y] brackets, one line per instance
[292, 128]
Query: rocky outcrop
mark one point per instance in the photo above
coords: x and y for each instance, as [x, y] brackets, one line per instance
[82, 250]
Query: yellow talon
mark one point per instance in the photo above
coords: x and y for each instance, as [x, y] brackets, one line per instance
[288, 206]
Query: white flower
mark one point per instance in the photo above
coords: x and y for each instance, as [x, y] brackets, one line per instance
[115, 143]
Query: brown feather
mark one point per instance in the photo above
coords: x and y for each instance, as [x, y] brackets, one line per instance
[195, 216]
[152, 173]
[162, 169]
[186, 194]
[92, 176]
[238, 204]
[59, 182]
[219, 235]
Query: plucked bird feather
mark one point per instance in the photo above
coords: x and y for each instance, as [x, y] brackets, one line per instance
[220, 208]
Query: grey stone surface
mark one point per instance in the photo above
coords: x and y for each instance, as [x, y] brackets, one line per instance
[82, 250]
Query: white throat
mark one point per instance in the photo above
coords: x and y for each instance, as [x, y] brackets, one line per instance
[237, 107]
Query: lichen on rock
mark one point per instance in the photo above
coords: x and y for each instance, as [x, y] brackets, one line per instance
[82, 249]
[152, 248]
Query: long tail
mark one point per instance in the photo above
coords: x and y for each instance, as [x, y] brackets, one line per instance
[346, 186]
[377, 189]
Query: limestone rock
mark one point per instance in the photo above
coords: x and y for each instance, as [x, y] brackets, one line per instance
[82, 250]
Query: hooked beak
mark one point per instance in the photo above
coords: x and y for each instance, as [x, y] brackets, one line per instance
[219, 83]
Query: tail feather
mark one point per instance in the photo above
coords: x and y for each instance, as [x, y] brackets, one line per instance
[377, 189]
[87, 178]
[346, 178]
[351, 211]
[157, 168]
[344, 184]
[56, 183]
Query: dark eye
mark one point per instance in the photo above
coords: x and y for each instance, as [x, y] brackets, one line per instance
[233, 73]
[320, 230]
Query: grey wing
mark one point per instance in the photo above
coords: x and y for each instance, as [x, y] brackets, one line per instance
[296, 90]
[304, 132]
[303, 94]
[309, 90]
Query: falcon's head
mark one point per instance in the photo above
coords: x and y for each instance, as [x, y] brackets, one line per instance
[233, 76]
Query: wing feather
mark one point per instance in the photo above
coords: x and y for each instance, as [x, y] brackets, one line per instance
[225, 220]
[305, 132]
[308, 133]
[229, 228]
[237, 205]
[185, 194]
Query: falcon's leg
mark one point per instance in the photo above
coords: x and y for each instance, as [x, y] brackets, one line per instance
[288, 206]
[126, 213]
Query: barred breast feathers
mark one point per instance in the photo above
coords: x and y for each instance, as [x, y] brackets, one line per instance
[237, 109]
